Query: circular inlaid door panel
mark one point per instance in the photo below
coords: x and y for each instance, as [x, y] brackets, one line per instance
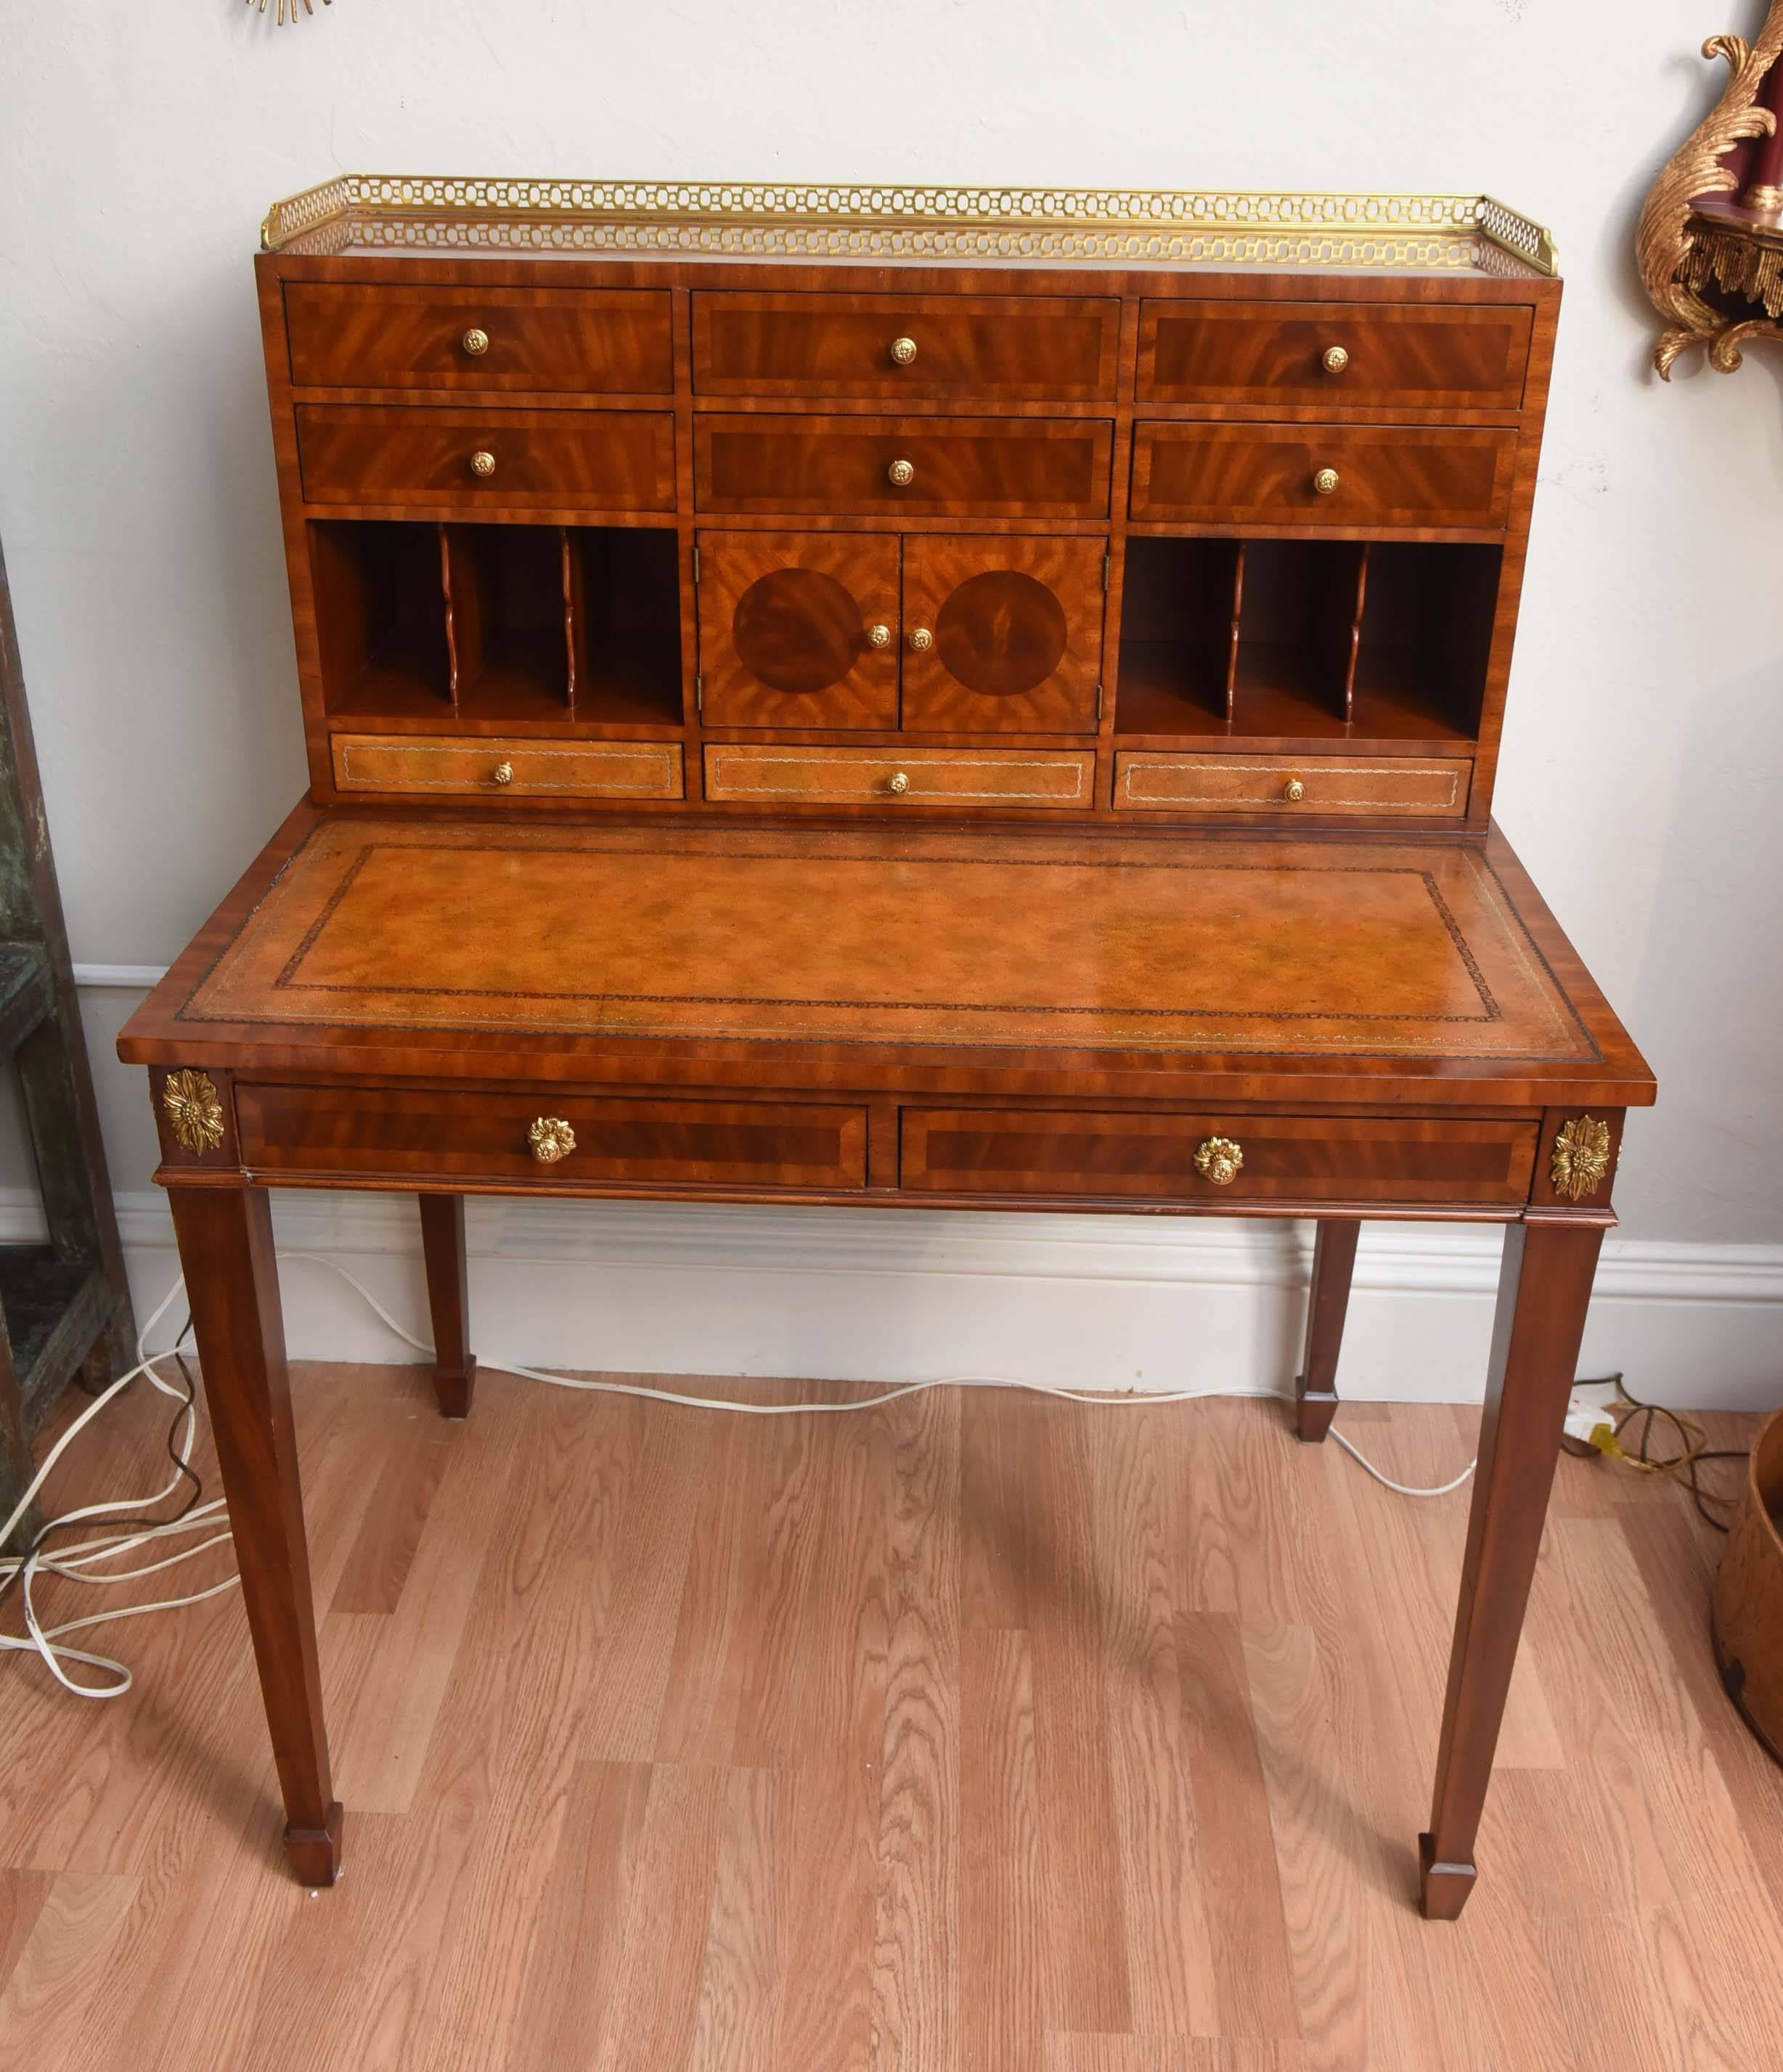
[797, 630]
[1001, 633]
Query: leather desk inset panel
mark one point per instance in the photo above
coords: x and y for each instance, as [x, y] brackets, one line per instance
[1184, 945]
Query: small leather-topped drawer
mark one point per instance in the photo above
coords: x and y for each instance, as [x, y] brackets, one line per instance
[551, 1135]
[1334, 356]
[1381, 478]
[593, 460]
[886, 467]
[587, 341]
[1214, 1159]
[1038, 348]
[1161, 781]
[1018, 778]
[503, 770]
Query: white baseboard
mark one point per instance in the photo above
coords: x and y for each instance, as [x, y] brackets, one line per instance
[1113, 1302]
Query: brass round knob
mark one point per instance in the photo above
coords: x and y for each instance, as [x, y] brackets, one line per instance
[1325, 481]
[897, 783]
[1293, 791]
[921, 640]
[1219, 1160]
[502, 774]
[903, 352]
[475, 342]
[482, 463]
[901, 474]
[1334, 359]
[879, 636]
[552, 1138]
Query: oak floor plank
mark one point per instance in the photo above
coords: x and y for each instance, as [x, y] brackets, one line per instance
[972, 1733]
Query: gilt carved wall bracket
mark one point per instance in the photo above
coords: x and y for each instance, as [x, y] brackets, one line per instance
[1710, 244]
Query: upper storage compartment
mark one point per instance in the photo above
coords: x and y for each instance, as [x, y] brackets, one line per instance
[889, 467]
[598, 342]
[1370, 477]
[473, 460]
[1034, 348]
[1334, 356]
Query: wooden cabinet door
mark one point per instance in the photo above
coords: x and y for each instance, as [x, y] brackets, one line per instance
[799, 629]
[1001, 634]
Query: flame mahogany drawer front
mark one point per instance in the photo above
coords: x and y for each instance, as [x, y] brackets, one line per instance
[598, 460]
[1311, 1158]
[1333, 354]
[1160, 781]
[885, 467]
[1377, 476]
[1029, 348]
[1020, 777]
[502, 769]
[591, 341]
[489, 1136]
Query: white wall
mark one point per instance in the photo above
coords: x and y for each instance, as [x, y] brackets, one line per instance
[1642, 755]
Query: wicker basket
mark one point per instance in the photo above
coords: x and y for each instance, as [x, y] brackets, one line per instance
[1749, 1595]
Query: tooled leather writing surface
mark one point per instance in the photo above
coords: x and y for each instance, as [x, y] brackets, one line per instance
[1293, 948]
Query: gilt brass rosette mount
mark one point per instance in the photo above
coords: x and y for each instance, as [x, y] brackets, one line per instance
[1581, 1162]
[193, 1110]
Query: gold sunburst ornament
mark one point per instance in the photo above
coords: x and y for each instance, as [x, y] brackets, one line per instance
[1581, 1157]
[308, 8]
[193, 1110]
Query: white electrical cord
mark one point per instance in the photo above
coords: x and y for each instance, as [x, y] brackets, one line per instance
[76, 1563]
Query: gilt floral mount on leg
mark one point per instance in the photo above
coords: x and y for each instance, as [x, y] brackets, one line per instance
[1709, 245]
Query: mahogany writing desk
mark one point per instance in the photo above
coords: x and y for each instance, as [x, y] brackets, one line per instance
[1109, 828]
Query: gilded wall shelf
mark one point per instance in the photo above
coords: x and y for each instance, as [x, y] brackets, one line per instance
[1710, 245]
[1116, 226]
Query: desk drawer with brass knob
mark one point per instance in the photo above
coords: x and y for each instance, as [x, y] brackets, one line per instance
[1161, 781]
[572, 1139]
[1019, 779]
[586, 341]
[1215, 1158]
[1009, 468]
[501, 768]
[996, 347]
[469, 460]
[1334, 356]
[1374, 477]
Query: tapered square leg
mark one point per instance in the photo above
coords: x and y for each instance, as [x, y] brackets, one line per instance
[1544, 1290]
[225, 1234]
[449, 1300]
[1316, 1386]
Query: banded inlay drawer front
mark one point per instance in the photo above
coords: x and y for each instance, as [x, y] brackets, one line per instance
[1029, 348]
[1311, 1158]
[1032, 467]
[1334, 356]
[502, 769]
[591, 341]
[1021, 778]
[1161, 781]
[595, 460]
[1379, 476]
[490, 1136]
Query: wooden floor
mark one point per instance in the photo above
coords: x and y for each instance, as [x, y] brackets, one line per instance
[979, 1733]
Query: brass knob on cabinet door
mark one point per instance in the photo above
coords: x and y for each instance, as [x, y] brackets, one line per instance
[475, 342]
[482, 463]
[879, 636]
[552, 1138]
[1219, 1160]
[903, 352]
[1334, 359]
[901, 474]
[502, 774]
[1325, 481]
[897, 783]
[921, 640]
[1293, 791]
